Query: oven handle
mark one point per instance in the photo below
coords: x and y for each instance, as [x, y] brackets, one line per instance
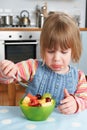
[17, 43]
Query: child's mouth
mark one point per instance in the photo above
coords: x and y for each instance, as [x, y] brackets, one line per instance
[57, 66]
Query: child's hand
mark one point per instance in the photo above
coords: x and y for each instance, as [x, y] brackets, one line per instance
[68, 104]
[7, 69]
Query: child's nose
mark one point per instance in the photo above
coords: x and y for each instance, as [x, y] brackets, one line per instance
[57, 56]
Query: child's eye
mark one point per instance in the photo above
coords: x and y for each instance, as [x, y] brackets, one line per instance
[64, 52]
[50, 51]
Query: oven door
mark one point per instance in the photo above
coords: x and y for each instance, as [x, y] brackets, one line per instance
[17, 51]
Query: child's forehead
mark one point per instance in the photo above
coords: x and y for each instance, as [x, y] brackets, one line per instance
[59, 48]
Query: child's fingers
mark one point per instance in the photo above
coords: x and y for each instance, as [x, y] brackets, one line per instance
[66, 93]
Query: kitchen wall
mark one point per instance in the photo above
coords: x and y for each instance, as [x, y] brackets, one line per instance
[14, 7]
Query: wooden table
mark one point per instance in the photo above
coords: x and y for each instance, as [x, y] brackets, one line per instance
[11, 94]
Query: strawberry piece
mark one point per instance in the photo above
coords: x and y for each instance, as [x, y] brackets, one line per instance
[31, 96]
[33, 102]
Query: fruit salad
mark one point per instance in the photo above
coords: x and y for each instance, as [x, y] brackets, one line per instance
[37, 100]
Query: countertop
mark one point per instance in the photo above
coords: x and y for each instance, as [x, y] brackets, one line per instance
[83, 29]
[27, 29]
[20, 29]
[12, 118]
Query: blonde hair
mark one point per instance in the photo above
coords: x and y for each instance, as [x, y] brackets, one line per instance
[60, 30]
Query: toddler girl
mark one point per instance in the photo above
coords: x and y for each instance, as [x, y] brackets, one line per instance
[60, 44]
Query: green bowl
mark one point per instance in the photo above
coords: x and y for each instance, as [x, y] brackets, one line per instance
[40, 113]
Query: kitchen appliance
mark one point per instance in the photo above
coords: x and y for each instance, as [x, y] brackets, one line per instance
[6, 20]
[24, 18]
[41, 20]
[41, 14]
[19, 45]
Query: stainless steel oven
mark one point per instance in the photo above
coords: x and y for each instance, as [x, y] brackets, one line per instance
[19, 45]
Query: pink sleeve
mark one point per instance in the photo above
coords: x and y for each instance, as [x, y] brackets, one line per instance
[81, 92]
[27, 69]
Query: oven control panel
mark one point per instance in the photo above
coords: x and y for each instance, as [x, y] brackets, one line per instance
[19, 35]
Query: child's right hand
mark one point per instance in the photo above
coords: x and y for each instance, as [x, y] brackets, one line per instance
[8, 69]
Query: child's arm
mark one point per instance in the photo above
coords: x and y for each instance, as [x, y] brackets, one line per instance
[76, 102]
[25, 70]
[81, 93]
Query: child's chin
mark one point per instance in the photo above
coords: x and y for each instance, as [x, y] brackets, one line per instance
[57, 70]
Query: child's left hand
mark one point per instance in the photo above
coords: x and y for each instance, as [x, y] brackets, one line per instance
[68, 104]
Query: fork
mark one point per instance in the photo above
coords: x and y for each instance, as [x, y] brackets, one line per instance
[20, 82]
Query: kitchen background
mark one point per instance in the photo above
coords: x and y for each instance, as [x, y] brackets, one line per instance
[14, 7]
[26, 40]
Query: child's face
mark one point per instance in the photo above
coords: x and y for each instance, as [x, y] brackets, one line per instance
[58, 60]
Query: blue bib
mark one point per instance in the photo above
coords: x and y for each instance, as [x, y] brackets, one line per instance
[47, 81]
